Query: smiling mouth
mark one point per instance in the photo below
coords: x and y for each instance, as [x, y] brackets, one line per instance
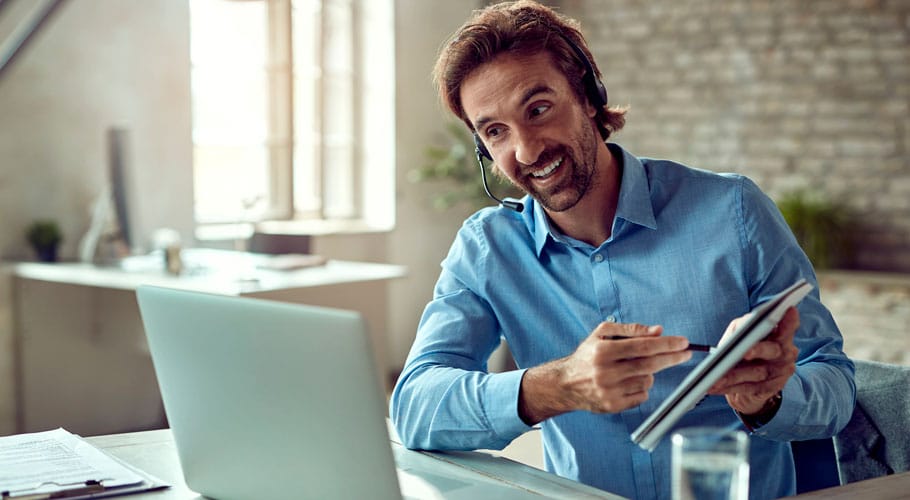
[547, 170]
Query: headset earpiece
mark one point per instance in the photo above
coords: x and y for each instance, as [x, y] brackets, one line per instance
[480, 148]
[597, 91]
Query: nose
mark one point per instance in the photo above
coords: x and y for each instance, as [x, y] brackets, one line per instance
[528, 147]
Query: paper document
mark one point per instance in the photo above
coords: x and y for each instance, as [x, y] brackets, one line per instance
[62, 464]
[695, 386]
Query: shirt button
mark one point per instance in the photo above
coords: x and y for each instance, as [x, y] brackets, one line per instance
[598, 257]
[611, 319]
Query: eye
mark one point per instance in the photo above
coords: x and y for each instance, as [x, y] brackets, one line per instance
[539, 110]
[492, 132]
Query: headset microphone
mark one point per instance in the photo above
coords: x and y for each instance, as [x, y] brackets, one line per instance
[481, 151]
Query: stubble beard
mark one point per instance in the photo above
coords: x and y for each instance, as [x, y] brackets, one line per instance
[568, 193]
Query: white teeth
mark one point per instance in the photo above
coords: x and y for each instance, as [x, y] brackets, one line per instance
[546, 170]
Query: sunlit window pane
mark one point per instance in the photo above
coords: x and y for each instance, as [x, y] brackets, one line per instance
[236, 181]
[279, 110]
[229, 107]
[228, 33]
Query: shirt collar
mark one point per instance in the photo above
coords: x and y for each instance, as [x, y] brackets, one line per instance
[634, 201]
[635, 192]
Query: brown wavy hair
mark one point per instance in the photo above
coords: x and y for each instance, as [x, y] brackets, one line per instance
[524, 28]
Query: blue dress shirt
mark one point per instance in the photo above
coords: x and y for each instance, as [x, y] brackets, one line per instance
[690, 250]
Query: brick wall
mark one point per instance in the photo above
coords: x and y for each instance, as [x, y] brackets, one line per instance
[873, 313]
[794, 94]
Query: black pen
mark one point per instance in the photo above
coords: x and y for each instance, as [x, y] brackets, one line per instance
[702, 348]
[88, 488]
[692, 347]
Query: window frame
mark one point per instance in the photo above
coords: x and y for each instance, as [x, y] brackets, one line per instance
[371, 196]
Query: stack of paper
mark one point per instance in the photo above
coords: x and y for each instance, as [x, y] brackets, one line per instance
[58, 464]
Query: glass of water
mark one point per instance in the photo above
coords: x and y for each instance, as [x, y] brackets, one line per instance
[710, 464]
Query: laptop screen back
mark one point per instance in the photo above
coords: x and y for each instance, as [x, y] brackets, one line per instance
[268, 399]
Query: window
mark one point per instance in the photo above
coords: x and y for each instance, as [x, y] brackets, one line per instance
[283, 92]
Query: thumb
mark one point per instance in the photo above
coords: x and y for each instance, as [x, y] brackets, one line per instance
[607, 330]
[733, 326]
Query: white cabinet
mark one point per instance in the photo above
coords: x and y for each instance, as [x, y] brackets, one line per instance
[82, 360]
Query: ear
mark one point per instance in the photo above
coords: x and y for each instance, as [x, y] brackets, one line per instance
[590, 110]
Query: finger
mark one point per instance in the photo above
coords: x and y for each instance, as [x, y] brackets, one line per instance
[787, 326]
[752, 377]
[764, 350]
[634, 385]
[607, 330]
[652, 364]
[780, 341]
[733, 326]
[756, 390]
[642, 347]
[783, 352]
[632, 392]
[623, 403]
[741, 374]
[630, 340]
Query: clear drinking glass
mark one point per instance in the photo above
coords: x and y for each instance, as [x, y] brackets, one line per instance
[710, 464]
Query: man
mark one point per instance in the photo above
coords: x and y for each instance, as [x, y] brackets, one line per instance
[606, 245]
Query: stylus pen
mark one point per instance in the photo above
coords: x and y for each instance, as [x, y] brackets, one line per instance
[692, 347]
[702, 348]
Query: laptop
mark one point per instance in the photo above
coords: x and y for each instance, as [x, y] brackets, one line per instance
[268, 399]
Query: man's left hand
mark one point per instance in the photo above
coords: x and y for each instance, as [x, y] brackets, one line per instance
[765, 368]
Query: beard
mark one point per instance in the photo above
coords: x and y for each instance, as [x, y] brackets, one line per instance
[576, 184]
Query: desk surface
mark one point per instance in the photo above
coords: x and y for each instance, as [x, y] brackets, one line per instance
[893, 487]
[207, 270]
[154, 452]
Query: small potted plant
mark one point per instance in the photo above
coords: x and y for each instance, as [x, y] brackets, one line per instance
[821, 226]
[44, 236]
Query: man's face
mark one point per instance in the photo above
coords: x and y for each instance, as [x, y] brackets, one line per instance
[541, 138]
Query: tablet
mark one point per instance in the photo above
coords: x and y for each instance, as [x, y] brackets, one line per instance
[695, 386]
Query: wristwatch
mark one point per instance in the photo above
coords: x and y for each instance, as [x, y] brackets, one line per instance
[754, 421]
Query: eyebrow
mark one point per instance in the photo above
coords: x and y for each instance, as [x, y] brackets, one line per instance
[528, 95]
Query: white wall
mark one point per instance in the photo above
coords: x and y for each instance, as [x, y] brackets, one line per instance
[104, 63]
[422, 235]
[97, 64]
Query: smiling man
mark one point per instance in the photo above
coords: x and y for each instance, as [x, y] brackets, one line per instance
[604, 245]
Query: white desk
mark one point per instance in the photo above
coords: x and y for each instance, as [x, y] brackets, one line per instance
[81, 358]
[207, 270]
[154, 453]
[892, 487]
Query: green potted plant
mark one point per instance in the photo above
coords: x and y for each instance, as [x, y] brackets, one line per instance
[821, 226]
[455, 166]
[44, 236]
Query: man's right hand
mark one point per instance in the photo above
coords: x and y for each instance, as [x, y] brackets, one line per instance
[603, 375]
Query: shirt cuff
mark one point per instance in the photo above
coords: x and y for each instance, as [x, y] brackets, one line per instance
[787, 413]
[501, 407]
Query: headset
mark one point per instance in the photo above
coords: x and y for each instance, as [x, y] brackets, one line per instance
[597, 95]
